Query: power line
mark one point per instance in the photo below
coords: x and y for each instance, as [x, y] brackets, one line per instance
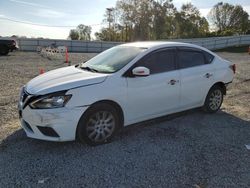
[44, 25]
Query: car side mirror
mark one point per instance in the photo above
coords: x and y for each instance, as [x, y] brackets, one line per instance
[141, 71]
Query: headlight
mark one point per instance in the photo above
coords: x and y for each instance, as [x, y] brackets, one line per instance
[50, 101]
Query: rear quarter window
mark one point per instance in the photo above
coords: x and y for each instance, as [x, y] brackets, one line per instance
[209, 57]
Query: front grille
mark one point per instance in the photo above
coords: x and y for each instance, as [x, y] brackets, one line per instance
[48, 131]
[26, 98]
[25, 94]
[20, 113]
[27, 126]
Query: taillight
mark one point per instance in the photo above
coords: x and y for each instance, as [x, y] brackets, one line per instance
[233, 67]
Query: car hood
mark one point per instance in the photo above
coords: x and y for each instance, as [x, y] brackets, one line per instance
[63, 79]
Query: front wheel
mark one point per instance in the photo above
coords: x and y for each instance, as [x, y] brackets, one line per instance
[98, 125]
[213, 100]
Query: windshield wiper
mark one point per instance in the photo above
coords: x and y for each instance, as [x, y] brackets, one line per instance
[89, 69]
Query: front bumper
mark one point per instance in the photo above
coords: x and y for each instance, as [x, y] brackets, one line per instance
[57, 124]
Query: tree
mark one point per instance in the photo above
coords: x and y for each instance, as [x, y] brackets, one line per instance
[103, 35]
[137, 15]
[189, 23]
[163, 19]
[84, 32]
[73, 34]
[152, 20]
[229, 18]
[14, 36]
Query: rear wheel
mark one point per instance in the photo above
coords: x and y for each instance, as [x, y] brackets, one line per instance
[98, 125]
[213, 100]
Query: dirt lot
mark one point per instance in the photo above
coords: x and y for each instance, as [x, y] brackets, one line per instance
[189, 149]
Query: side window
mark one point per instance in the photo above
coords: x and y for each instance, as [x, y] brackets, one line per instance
[209, 57]
[190, 58]
[158, 62]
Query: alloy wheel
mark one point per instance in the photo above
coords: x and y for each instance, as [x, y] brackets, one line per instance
[215, 99]
[100, 126]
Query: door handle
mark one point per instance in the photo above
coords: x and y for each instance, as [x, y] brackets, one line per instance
[173, 82]
[208, 75]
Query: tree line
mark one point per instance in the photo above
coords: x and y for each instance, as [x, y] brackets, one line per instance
[132, 20]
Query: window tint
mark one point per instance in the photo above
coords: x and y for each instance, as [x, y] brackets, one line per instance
[209, 57]
[190, 58]
[157, 62]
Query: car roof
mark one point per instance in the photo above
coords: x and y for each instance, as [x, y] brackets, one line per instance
[155, 44]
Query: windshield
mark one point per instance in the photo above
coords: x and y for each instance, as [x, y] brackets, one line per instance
[112, 60]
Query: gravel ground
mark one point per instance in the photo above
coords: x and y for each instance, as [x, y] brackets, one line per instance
[188, 149]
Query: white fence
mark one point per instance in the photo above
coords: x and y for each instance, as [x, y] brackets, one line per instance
[215, 43]
[73, 45]
[212, 43]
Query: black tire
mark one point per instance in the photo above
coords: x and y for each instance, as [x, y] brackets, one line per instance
[90, 126]
[213, 100]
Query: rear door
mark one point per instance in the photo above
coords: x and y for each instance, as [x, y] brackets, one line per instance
[196, 76]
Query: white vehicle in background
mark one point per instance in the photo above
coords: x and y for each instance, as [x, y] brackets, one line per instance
[124, 85]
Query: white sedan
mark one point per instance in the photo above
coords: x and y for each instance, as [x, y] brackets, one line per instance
[124, 85]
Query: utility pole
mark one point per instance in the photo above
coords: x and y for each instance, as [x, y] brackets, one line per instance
[110, 19]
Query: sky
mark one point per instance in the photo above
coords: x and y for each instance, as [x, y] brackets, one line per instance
[43, 14]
